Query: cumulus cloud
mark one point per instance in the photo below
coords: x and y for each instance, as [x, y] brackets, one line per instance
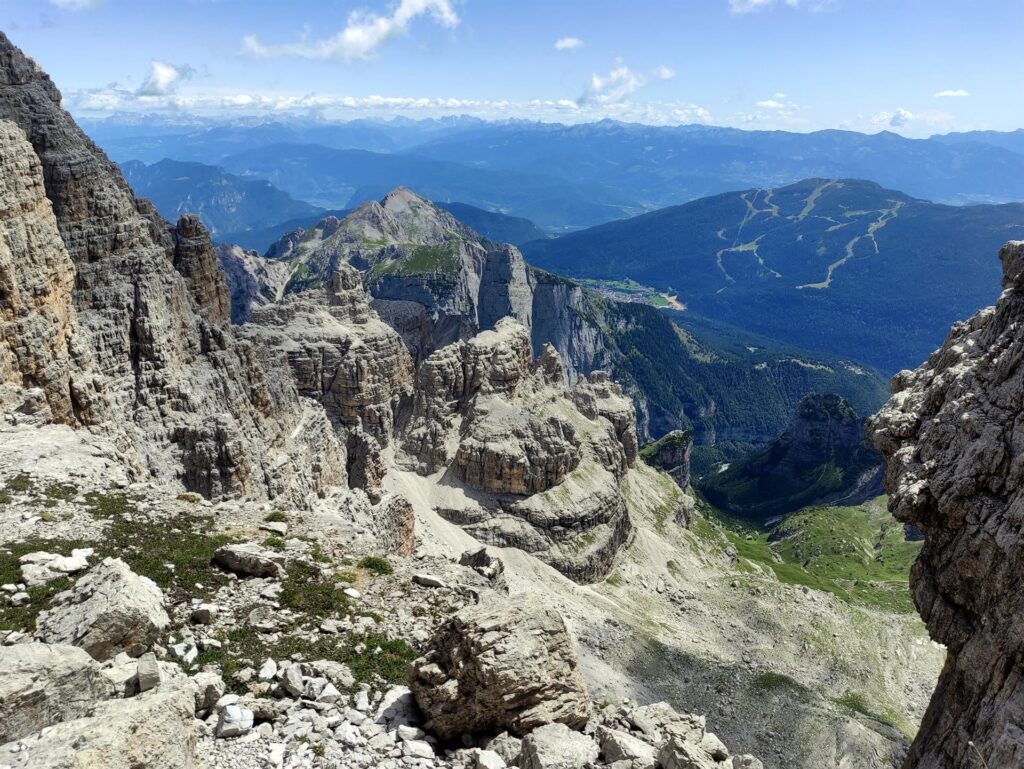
[612, 87]
[904, 118]
[621, 81]
[363, 34]
[163, 78]
[750, 6]
[770, 104]
[76, 5]
[568, 44]
[951, 92]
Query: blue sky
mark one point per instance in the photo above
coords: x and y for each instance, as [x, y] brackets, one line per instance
[913, 66]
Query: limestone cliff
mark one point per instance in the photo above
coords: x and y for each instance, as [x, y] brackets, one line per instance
[528, 462]
[119, 319]
[954, 445]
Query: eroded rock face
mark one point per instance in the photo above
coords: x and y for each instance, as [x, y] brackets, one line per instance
[141, 349]
[152, 731]
[342, 355]
[541, 466]
[37, 321]
[953, 440]
[42, 684]
[494, 668]
[109, 610]
[671, 453]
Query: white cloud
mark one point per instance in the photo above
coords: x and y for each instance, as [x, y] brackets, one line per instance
[568, 44]
[750, 6]
[223, 103]
[76, 5]
[163, 78]
[951, 92]
[364, 32]
[770, 104]
[619, 83]
[904, 118]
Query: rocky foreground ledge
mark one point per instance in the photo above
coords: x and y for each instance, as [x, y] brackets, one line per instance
[269, 652]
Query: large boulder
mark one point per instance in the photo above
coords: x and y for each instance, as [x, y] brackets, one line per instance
[109, 610]
[489, 669]
[249, 559]
[152, 731]
[555, 746]
[42, 685]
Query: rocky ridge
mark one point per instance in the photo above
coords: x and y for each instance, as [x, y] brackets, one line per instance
[952, 442]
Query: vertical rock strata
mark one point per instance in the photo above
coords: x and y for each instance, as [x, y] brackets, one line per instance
[539, 466]
[142, 349]
[953, 439]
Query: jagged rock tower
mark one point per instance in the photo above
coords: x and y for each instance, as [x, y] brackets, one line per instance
[953, 436]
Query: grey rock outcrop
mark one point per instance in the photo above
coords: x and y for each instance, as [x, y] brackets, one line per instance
[43, 684]
[152, 731]
[343, 356]
[542, 466]
[489, 669]
[252, 280]
[952, 438]
[109, 610]
[555, 746]
[132, 340]
[250, 560]
[671, 453]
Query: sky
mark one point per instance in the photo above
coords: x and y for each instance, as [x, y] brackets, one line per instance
[916, 67]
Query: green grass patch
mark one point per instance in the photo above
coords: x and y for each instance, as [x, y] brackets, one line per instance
[856, 702]
[276, 517]
[63, 492]
[859, 554]
[376, 564]
[20, 483]
[274, 543]
[778, 683]
[305, 590]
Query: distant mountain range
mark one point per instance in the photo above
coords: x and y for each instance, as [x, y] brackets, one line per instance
[569, 177]
[842, 266]
[254, 213]
[224, 202]
[343, 178]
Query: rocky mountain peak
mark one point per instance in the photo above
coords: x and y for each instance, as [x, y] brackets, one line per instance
[951, 436]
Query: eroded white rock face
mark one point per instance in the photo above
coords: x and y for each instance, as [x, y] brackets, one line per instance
[555, 746]
[109, 610]
[152, 731]
[40, 567]
[500, 667]
[541, 466]
[42, 684]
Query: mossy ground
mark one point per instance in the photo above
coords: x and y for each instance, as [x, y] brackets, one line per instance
[857, 553]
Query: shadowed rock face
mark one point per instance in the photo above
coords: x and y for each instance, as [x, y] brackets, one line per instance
[953, 438]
